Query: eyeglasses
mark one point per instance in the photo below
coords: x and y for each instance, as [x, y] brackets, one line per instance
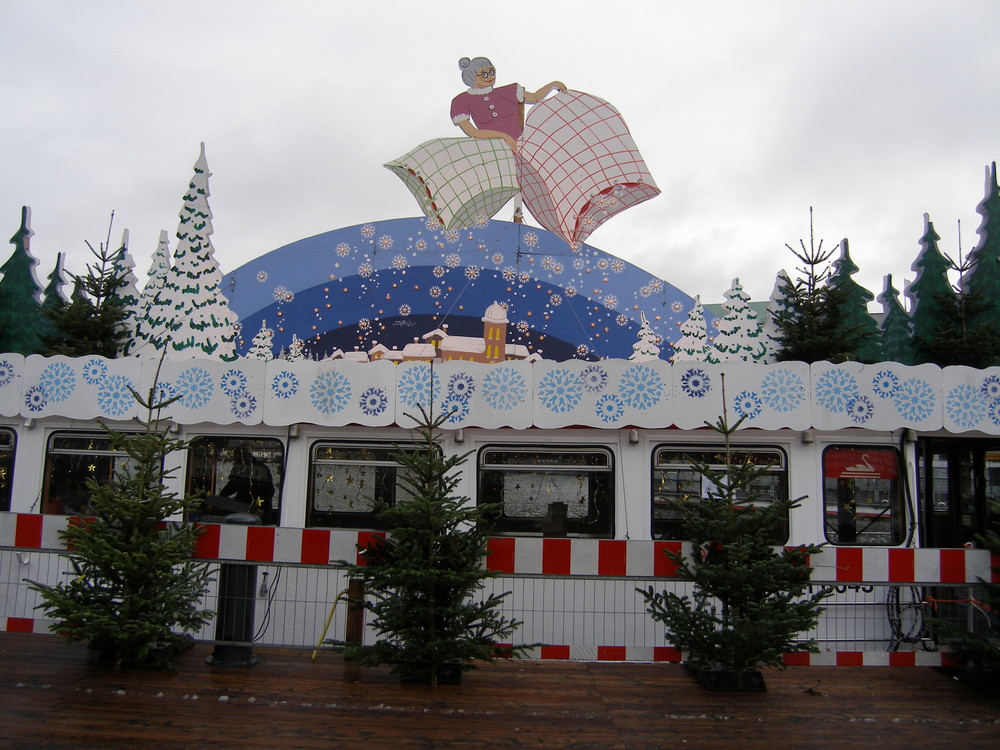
[487, 72]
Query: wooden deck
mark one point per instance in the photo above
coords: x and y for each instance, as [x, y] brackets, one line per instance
[51, 698]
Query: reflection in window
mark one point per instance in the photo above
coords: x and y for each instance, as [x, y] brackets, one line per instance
[862, 496]
[236, 475]
[348, 481]
[72, 461]
[555, 491]
[7, 441]
[676, 482]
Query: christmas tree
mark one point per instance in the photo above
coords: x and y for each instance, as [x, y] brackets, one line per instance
[854, 313]
[146, 327]
[262, 342]
[983, 279]
[645, 348]
[751, 599]
[296, 352]
[133, 585]
[739, 337]
[778, 305]
[126, 294]
[22, 321]
[422, 579]
[895, 327]
[932, 298]
[692, 346]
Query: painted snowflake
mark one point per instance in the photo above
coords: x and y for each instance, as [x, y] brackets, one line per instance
[676, 306]
[696, 383]
[548, 262]
[461, 385]
[622, 320]
[522, 326]
[640, 387]
[509, 273]
[405, 310]
[279, 293]
[34, 399]
[579, 264]
[582, 351]
[611, 301]
[195, 386]
[432, 225]
[524, 277]
[262, 276]
[991, 387]
[993, 411]
[834, 389]
[232, 382]
[399, 262]
[594, 378]
[452, 236]
[373, 401]
[557, 268]
[965, 406]
[368, 231]
[456, 409]
[617, 265]
[555, 300]
[364, 325]
[439, 272]
[420, 245]
[164, 391]
[782, 390]
[915, 400]
[115, 398]
[6, 372]
[366, 270]
[609, 408]
[343, 249]
[453, 260]
[418, 385]
[385, 242]
[285, 384]
[747, 405]
[860, 409]
[530, 239]
[330, 392]
[885, 384]
[559, 390]
[242, 404]
[472, 272]
[569, 291]
[434, 291]
[57, 381]
[496, 259]
[504, 388]
[94, 370]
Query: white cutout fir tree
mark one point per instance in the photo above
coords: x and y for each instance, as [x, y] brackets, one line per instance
[159, 266]
[260, 348]
[127, 293]
[296, 352]
[645, 349]
[770, 333]
[739, 332]
[189, 316]
[693, 345]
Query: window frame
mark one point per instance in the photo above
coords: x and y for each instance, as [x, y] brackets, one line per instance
[81, 498]
[841, 512]
[8, 454]
[211, 488]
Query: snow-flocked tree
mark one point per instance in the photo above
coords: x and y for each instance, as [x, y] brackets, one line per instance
[645, 348]
[262, 343]
[693, 345]
[126, 293]
[296, 351]
[895, 327]
[22, 321]
[739, 337]
[779, 304]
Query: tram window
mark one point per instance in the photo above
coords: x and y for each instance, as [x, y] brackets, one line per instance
[72, 461]
[236, 475]
[347, 482]
[7, 442]
[553, 491]
[675, 481]
[862, 497]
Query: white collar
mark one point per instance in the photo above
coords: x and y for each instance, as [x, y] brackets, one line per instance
[482, 92]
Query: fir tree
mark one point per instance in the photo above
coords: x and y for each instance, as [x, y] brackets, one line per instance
[853, 312]
[692, 346]
[738, 338]
[189, 316]
[146, 327]
[932, 298]
[983, 280]
[895, 327]
[53, 299]
[296, 352]
[126, 294]
[423, 577]
[22, 321]
[645, 348]
[262, 342]
[779, 304]
[751, 600]
[133, 583]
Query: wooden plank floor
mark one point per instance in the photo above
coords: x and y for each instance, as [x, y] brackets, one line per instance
[51, 698]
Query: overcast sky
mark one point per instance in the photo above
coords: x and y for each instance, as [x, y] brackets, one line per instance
[747, 114]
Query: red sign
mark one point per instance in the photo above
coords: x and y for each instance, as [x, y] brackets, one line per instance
[860, 463]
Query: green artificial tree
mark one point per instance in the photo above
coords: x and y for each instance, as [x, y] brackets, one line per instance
[133, 589]
[424, 580]
[932, 297]
[23, 321]
[983, 279]
[853, 311]
[751, 600]
[895, 327]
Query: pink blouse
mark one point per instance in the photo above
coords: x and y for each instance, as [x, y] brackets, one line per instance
[491, 109]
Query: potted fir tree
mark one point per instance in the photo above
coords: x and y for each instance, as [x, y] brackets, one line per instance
[423, 577]
[751, 599]
[133, 589]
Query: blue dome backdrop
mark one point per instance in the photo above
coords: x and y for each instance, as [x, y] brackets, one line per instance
[390, 282]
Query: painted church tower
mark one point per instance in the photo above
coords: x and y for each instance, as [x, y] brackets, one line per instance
[495, 332]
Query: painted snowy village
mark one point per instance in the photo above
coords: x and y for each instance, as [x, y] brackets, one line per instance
[578, 385]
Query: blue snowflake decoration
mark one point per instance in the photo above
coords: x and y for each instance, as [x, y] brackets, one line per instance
[285, 384]
[885, 384]
[6, 372]
[640, 387]
[696, 383]
[461, 385]
[330, 392]
[991, 387]
[915, 399]
[243, 404]
[233, 382]
[373, 401]
[860, 409]
[559, 390]
[609, 408]
[57, 381]
[504, 388]
[594, 378]
[835, 389]
[34, 399]
[94, 370]
[747, 405]
[455, 408]
[782, 390]
[164, 392]
[993, 411]
[418, 385]
[195, 387]
[114, 396]
[965, 406]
